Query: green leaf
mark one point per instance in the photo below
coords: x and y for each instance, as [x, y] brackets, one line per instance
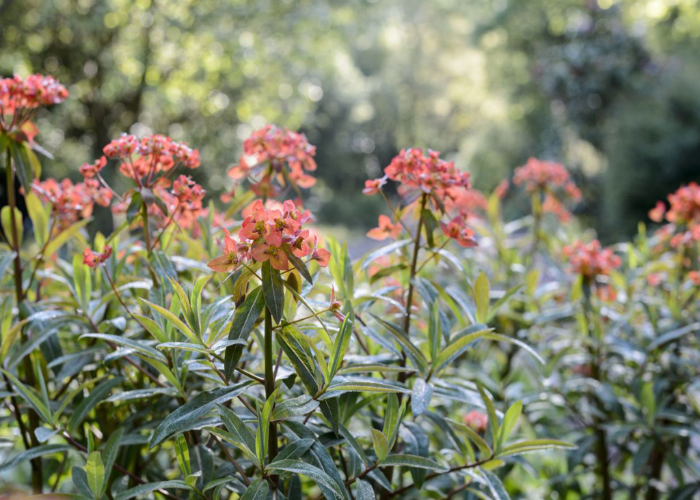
[648, 402]
[6, 218]
[420, 397]
[182, 453]
[110, 453]
[392, 418]
[406, 343]
[493, 417]
[262, 435]
[340, 346]
[380, 444]
[39, 217]
[62, 238]
[298, 264]
[95, 470]
[32, 453]
[241, 326]
[273, 290]
[307, 470]
[481, 298]
[137, 345]
[193, 410]
[30, 396]
[239, 431]
[297, 348]
[294, 450]
[498, 491]
[499, 303]
[456, 348]
[364, 490]
[434, 331]
[336, 390]
[174, 320]
[509, 421]
[96, 396]
[384, 251]
[413, 461]
[143, 490]
[258, 490]
[534, 445]
[295, 407]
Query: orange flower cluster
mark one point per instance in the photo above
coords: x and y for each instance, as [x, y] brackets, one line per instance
[21, 97]
[591, 260]
[279, 154]
[270, 235]
[142, 159]
[449, 189]
[476, 420]
[550, 178]
[684, 207]
[70, 202]
[429, 174]
[93, 259]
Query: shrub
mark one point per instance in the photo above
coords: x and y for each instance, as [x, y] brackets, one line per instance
[207, 354]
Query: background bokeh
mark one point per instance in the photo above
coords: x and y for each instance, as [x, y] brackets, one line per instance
[610, 87]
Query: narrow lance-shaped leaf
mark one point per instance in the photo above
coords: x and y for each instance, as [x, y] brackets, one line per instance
[340, 345]
[95, 470]
[110, 454]
[241, 326]
[380, 444]
[493, 417]
[273, 291]
[481, 297]
[197, 407]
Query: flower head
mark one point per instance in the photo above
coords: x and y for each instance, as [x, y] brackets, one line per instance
[457, 230]
[476, 420]
[386, 229]
[428, 174]
[69, 202]
[684, 207]
[279, 154]
[21, 97]
[591, 260]
[552, 179]
[270, 235]
[142, 159]
[93, 259]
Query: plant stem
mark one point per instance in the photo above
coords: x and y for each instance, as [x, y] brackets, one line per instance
[270, 387]
[595, 352]
[37, 477]
[146, 230]
[414, 264]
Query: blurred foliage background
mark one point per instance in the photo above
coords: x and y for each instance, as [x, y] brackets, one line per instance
[610, 87]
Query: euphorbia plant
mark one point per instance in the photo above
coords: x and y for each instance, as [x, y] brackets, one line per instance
[258, 379]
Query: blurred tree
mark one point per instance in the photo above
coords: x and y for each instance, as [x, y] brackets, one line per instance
[489, 83]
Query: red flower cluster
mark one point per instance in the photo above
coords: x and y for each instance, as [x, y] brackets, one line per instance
[458, 231]
[142, 159]
[548, 177]
[590, 259]
[476, 420]
[278, 153]
[20, 97]
[270, 235]
[184, 201]
[684, 206]
[93, 259]
[70, 202]
[429, 174]
[386, 229]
